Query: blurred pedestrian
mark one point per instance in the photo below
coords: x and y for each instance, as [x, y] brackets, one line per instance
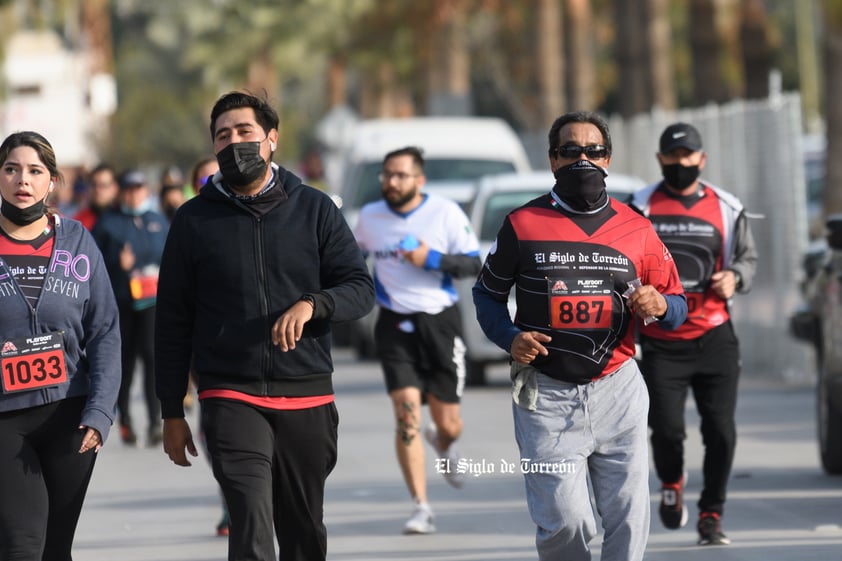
[203, 170]
[706, 230]
[419, 242]
[102, 195]
[131, 238]
[255, 269]
[583, 265]
[60, 357]
[170, 198]
[312, 169]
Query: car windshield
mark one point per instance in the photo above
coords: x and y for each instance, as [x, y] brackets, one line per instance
[501, 204]
[440, 169]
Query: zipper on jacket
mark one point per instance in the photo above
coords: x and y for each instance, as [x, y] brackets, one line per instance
[264, 303]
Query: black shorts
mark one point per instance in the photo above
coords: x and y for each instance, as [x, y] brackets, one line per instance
[423, 351]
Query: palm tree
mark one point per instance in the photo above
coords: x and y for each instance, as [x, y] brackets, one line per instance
[705, 46]
[755, 49]
[660, 55]
[632, 57]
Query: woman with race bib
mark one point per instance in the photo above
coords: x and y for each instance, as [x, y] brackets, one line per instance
[59, 357]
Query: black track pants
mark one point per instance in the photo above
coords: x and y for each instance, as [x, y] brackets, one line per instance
[272, 466]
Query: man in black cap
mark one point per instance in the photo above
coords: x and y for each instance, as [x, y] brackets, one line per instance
[131, 238]
[706, 230]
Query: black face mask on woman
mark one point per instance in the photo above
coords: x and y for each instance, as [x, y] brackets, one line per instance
[23, 216]
[680, 177]
[581, 185]
[241, 163]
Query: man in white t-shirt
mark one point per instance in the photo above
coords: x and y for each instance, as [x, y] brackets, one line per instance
[419, 243]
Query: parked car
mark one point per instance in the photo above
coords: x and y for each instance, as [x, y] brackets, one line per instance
[496, 196]
[818, 321]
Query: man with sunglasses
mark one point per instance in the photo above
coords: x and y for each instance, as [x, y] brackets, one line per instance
[583, 265]
[419, 243]
[707, 231]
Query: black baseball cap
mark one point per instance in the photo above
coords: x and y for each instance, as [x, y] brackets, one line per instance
[680, 135]
[132, 178]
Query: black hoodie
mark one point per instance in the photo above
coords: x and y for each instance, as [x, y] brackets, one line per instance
[230, 268]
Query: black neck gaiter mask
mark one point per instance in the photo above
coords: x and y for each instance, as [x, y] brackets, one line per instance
[581, 185]
[23, 216]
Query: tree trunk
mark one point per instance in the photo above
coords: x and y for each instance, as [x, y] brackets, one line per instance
[263, 78]
[337, 81]
[756, 53]
[705, 46]
[449, 83]
[96, 22]
[581, 46]
[549, 60]
[808, 66]
[833, 108]
[631, 51]
[660, 50]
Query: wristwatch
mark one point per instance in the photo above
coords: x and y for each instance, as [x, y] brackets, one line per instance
[738, 278]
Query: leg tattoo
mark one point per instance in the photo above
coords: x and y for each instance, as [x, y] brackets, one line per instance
[408, 423]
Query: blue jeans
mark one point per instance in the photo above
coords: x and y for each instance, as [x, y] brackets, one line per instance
[598, 430]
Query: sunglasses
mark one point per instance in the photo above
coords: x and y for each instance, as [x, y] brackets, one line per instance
[573, 151]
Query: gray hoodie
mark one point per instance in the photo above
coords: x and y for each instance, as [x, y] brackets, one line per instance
[76, 300]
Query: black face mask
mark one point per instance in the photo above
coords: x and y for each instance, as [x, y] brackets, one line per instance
[23, 216]
[680, 177]
[241, 163]
[581, 185]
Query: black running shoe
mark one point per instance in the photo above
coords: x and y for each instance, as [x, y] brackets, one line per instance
[673, 510]
[710, 532]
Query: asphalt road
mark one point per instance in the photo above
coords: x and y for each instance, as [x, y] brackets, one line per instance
[781, 507]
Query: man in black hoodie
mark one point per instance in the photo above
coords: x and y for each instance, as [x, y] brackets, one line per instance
[255, 268]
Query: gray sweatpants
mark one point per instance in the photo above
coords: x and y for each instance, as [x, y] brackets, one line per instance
[575, 430]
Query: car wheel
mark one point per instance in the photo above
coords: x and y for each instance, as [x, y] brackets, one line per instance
[475, 375]
[829, 421]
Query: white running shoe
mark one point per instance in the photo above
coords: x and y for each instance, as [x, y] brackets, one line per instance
[448, 469]
[421, 521]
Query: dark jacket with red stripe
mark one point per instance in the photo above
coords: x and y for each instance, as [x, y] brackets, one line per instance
[706, 232]
[570, 271]
[229, 270]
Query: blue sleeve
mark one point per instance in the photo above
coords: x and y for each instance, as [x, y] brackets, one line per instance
[676, 312]
[493, 317]
[102, 348]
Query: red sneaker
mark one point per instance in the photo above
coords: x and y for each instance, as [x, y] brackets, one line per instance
[673, 511]
[710, 531]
